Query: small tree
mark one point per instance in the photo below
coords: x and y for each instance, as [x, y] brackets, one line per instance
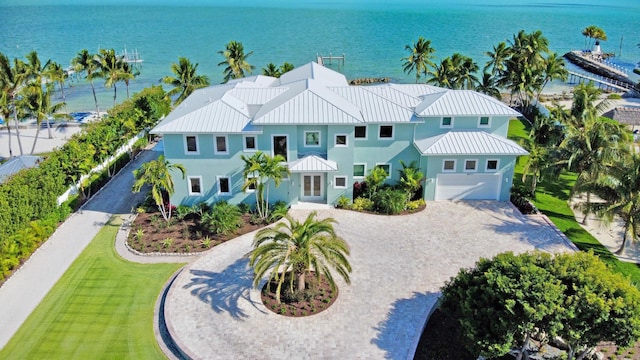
[410, 178]
[259, 169]
[299, 248]
[157, 173]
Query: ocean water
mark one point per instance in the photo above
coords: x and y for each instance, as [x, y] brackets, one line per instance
[371, 35]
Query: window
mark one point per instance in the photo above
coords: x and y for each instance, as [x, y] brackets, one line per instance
[385, 132]
[492, 165]
[224, 185]
[484, 122]
[386, 167]
[280, 146]
[252, 185]
[221, 145]
[447, 122]
[360, 132]
[449, 166]
[340, 182]
[250, 143]
[191, 144]
[359, 170]
[470, 165]
[312, 138]
[341, 140]
[195, 185]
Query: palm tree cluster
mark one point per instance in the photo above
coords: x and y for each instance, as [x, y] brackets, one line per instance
[235, 61]
[25, 91]
[524, 66]
[593, 32]
[273, 70]
[597, 149]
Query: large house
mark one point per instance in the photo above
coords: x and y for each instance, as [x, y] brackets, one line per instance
[332, 134]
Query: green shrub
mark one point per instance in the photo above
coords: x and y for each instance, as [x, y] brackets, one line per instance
[415, 204]
[614, 97]
[223, 218]
[362, 204]
[390, 201]
[343, 202]
[244, 208]
[182, 211]
[167, 242]
[278, 211]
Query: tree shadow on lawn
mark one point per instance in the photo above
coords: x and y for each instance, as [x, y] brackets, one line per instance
[399, 333]
[223, 290]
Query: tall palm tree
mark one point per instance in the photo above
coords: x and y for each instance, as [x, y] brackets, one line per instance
[419, 58]
[535, 164]
[443, 74]
[488, 86]
[157, 174]
[36, 100]
[235, 61]
[554, 69]
[497, 58]
[129, 73]
[56, 74]
[299, 248]
[112, 70]
[185, 81]
[464, 72]
[620, 188]
[593, 32]
[34, 74]
[88, 63]
[259, 169]
[9, 86]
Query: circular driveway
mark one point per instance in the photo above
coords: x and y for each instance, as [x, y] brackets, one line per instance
[399, 264]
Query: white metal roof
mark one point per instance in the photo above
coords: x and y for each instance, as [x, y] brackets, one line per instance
[417, 90]
[308, 102]
[468, 143]
[312, 163]
[374, 107]
[314, 71]
[392, 93]
[462, 103]
[256, 96]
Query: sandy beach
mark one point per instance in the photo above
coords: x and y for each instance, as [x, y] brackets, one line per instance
[60, 133]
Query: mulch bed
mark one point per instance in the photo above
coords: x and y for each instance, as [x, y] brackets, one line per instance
[320, 298]
[184, 236]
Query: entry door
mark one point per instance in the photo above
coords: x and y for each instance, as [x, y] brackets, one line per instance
[312, 186]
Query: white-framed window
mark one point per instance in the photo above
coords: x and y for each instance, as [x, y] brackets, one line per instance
[312, 138]
[224, 185]
[359, 170]
[250, 142]
[360, 132]
[484, 122]
[340, 182]
[221, 145]
[195, 185]
[492, 165]
[252, 186]
[341, 140]
[280, 146]
[449, 165]
[446, 122]
[386, 167]
[470, 165]
[191, 146]
[385, 132]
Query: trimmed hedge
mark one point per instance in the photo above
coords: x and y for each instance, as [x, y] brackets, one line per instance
[29, 212]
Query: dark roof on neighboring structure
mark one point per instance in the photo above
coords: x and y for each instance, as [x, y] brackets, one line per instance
[16, 164]
[629, 115]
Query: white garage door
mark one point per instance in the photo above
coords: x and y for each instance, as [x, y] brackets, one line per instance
[468, 186]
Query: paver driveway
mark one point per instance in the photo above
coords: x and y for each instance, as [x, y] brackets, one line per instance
[399, 263]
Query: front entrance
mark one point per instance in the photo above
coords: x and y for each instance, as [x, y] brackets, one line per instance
[312, 187]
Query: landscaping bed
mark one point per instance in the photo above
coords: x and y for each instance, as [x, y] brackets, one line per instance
[318, 297]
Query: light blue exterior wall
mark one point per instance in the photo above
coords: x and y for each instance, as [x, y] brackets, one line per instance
[343, 156]
[433, 165]
[498, 125]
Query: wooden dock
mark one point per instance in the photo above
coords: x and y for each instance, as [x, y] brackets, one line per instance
[602, 82]
[322, 60]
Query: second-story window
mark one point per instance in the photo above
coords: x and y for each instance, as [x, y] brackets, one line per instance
[221, 145]
[385, 132]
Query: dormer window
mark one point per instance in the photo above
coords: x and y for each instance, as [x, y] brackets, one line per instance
[484, 121]
[447, 122]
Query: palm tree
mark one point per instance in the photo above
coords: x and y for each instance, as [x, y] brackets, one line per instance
[286, 67]
[87, 63]
[9, 85]
[554, 69]
[34, 74]
[620, 188]
[497, 58]
[442, 74]
[112, 70]
[464, 72]
[271, 70]
[299, 248]
[593, 32]
[157, 173]
[235, 61]
[488, 86]
[185, 80]
[420, 55]
[410, 178]
[536, 162]
[36, 101]
[128, 74]
[259, 170]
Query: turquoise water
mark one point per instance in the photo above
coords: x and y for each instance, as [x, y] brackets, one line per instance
[372, 36]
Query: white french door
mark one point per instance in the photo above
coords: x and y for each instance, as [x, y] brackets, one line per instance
[312, 187]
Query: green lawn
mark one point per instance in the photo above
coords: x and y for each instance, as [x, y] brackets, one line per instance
[101, 308]
[552, 198]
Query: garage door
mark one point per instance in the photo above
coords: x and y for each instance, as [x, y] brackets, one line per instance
[468, 186]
